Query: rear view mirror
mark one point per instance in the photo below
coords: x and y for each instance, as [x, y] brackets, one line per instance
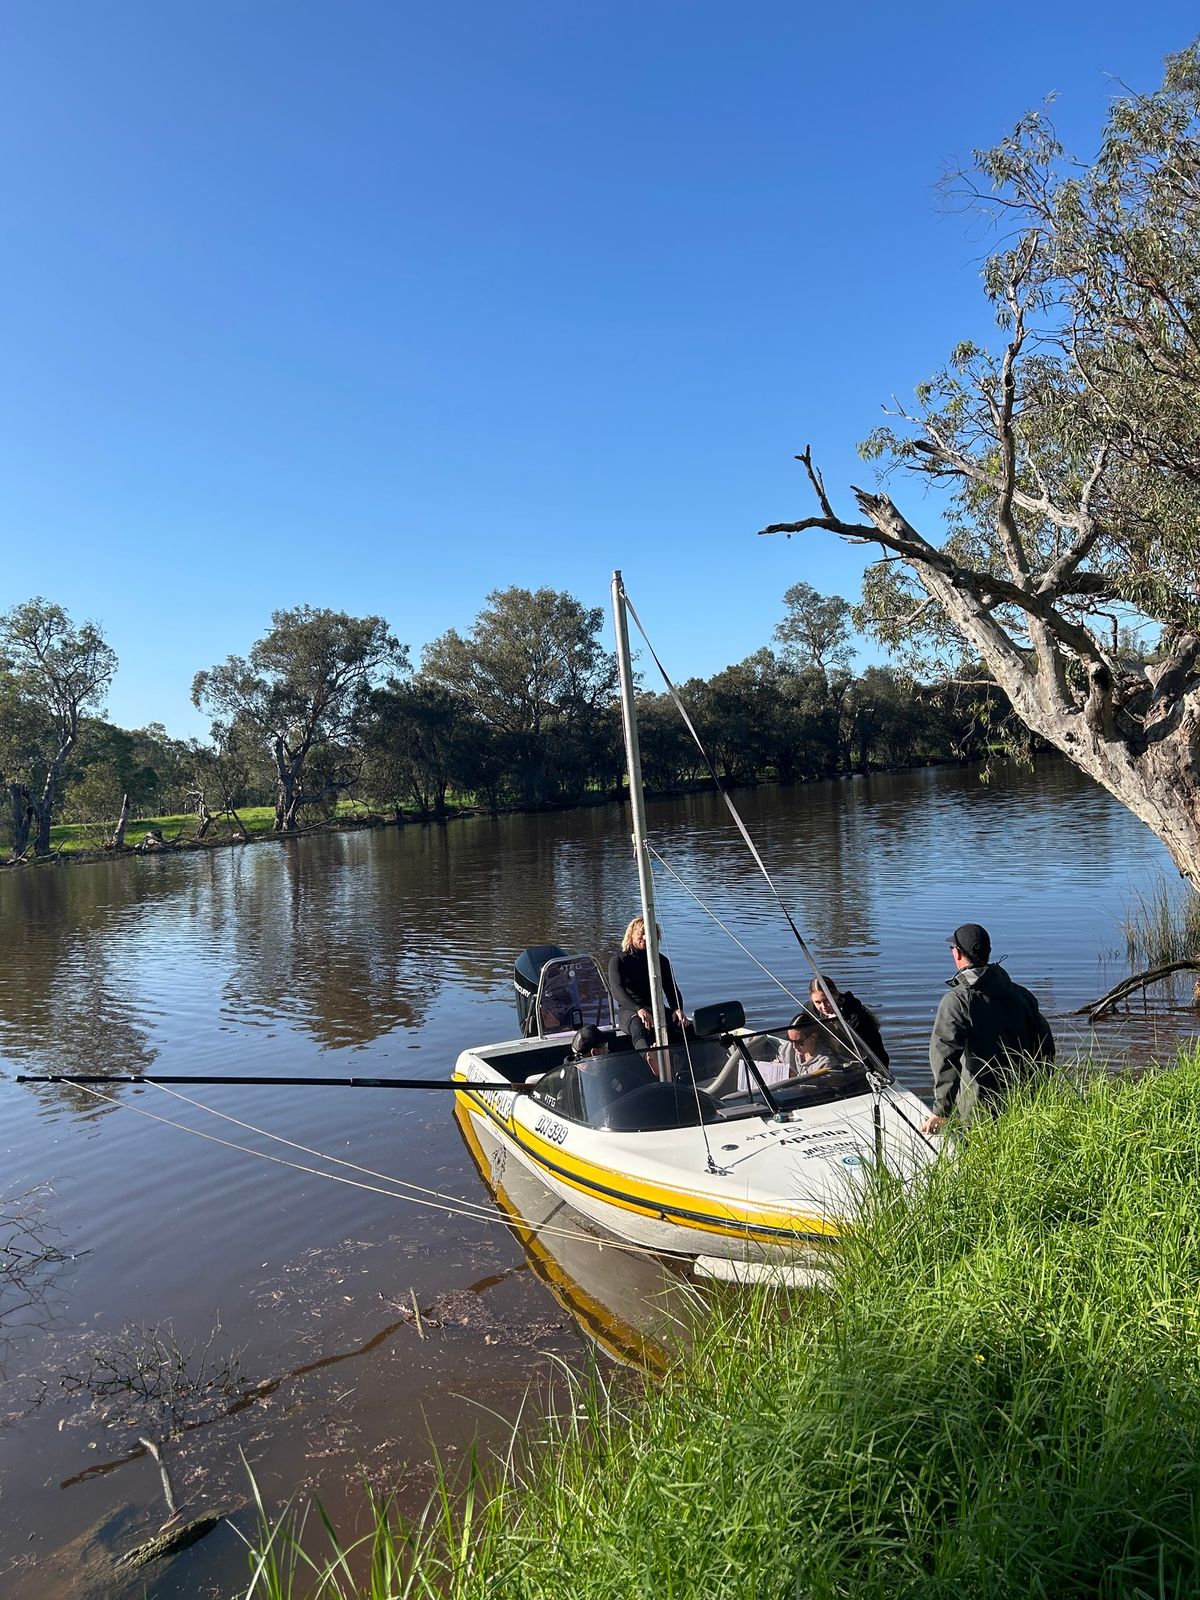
[709, 1022]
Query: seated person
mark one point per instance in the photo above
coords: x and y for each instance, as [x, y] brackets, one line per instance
[588, 1043]
[863, 1024]
[629, 980]
[805, 1054]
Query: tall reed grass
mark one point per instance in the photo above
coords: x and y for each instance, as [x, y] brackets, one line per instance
[1162, 925]
[1000, 1398]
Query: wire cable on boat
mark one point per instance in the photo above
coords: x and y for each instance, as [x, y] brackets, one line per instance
[713, 1165]
[733, 810]
[709, 912]
[881, 1077]
[885, 1088]
[869, 1060]
[471, 1210]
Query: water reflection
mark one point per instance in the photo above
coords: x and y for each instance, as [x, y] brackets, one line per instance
[74, 997]
[316, 943]
[32, 1259]
[636, 1308]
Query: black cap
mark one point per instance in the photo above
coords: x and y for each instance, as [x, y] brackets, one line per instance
[588, 1038]
[974, 942]
[806, 1019]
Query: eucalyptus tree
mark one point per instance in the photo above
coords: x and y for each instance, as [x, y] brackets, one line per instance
[737, 713]
[303, 694]
[54, 674]
[1069, 459]
[669, 757]
[534, 671]
[418, 742]
[817, 630]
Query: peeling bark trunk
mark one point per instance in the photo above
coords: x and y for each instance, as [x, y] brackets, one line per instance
[43, 807]
[1151, 767]
[289, 767]
[1160, 785]
[22, 818]
[117, 842]
[41, 838]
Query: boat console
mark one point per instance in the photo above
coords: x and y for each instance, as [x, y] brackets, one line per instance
[621, 1092]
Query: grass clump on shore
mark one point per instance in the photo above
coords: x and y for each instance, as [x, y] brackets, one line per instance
[1000, 1398]
[1162, 926]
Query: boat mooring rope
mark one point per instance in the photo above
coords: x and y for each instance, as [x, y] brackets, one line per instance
[454, 1205]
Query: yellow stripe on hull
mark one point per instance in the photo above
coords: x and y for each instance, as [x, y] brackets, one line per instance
[682, 1208]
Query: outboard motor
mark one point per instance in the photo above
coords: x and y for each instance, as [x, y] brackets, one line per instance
[526, 976]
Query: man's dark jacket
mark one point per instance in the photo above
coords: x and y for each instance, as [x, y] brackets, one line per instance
[987, 1031]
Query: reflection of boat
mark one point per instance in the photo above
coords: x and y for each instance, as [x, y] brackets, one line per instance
[710, 1159]
[630, 1304]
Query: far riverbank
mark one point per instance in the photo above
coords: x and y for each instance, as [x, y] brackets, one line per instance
[82, 842]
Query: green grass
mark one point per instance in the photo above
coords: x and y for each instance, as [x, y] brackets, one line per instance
[1000, 1399]
[1163, 925]
[71, 837]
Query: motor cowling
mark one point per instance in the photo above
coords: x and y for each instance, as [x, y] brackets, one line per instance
[526, 975]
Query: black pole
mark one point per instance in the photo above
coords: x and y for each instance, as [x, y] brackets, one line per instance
[335, 1083]
[752, 1071]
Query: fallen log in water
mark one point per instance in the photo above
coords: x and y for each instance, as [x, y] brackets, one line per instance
[168, 1540]
[1139, 980]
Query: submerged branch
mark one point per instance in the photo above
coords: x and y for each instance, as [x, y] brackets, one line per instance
[1139, 980]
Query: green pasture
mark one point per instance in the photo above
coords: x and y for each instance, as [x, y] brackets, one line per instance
[71, 837]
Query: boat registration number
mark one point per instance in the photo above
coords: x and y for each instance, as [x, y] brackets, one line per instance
[500, 1099]
[551, 1128]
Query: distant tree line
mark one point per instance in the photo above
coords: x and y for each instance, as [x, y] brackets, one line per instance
[519, 711]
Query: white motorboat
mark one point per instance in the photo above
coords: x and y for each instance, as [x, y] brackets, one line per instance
[724, 1148]
[705, 1153]
[716, 1163]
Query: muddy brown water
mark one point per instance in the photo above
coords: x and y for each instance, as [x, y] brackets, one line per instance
[166, 1271]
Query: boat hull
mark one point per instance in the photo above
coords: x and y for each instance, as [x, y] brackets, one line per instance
[635, 1306]
[749, 1188]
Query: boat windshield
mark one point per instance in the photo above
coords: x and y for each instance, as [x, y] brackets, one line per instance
[572, 992]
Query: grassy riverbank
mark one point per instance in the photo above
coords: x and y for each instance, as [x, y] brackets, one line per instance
[1002, 1398]
[74, 838]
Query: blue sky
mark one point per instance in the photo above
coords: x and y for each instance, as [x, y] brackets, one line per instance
[381, 306]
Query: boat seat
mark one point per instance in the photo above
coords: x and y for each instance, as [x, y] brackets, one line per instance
[732, 1069]
[727, 1075]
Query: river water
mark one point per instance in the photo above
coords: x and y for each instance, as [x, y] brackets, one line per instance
[166, 1272]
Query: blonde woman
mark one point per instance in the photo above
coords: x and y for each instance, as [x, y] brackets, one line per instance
[629, 980]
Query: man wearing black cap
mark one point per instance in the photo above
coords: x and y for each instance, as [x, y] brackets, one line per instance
[589, 1041]
[986, 1030]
